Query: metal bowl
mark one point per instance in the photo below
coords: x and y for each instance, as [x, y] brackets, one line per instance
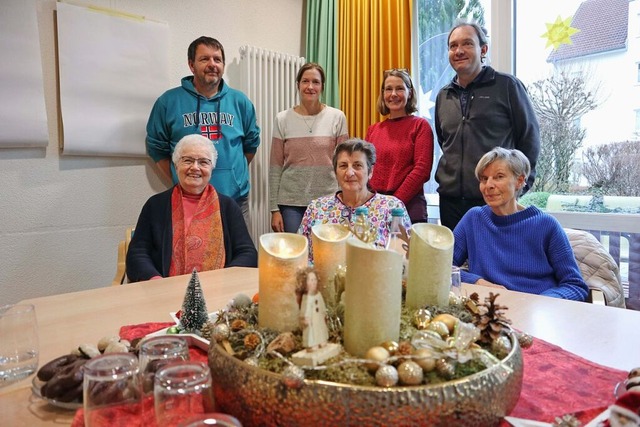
[260, 398]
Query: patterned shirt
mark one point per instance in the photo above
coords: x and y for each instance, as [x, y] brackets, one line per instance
[331, 210]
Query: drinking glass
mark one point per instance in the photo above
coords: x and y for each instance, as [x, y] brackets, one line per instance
[18, 342]
[211, 419]
[456, 284]
[182, 389]
[156, 352]
[111, 391]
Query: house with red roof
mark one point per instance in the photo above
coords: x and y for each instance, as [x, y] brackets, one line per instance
[607, 50]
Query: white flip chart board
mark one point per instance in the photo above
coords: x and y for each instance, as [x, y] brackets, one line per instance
[112, 68]
[23, 119]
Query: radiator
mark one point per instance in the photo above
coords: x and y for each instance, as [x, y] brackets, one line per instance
[269, 80]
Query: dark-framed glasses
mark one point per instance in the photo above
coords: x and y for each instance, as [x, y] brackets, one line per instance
[190, 161]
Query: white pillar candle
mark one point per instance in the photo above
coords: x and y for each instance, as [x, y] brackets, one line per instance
[430, 259]
[373, 297]
[280, 257]
[329, 251]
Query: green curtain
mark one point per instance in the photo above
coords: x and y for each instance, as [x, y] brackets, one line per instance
[322, 45]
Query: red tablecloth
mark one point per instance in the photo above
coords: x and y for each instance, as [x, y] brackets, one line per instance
[556, 382]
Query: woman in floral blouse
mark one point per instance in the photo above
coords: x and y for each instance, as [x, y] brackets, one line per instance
[353, 162]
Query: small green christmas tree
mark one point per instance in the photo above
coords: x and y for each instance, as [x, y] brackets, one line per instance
[194, 307]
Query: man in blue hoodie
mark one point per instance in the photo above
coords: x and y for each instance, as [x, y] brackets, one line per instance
[205, 104]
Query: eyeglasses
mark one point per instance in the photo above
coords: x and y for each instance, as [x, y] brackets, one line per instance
[190, 161]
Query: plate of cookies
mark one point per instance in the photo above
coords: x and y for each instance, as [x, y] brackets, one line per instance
[75, 403]
[59, 382]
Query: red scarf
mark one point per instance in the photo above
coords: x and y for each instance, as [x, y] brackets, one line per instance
[201, 246]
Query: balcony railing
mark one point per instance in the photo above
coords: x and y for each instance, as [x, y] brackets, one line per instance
[620, 234]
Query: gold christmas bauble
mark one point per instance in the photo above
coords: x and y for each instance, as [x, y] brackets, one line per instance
[448, 319]
[445, 368]
[501, 346]
[421, 318]
[424, 358]
[377, 354]
[439, 327]
[525, 340]
[410, 373]
[390, 346]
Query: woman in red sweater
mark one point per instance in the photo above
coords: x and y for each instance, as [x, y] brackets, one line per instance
[404, 145]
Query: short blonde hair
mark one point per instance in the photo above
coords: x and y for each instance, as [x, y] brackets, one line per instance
[515, 160]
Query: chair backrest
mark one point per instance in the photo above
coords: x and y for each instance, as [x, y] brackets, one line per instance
[121, 265]
[598, 268]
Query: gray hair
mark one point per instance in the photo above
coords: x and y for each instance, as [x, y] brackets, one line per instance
[194, 140]
[514, 159]
[356, 144]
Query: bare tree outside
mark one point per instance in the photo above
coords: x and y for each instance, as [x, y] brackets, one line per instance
[612, 169]
[559, 101]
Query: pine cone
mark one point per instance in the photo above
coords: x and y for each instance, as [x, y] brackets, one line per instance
[238, 325]
[251, 341]
[404, 349]
[490, 318]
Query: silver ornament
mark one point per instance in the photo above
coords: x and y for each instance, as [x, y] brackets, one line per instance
[293, 376]
[240, 301]
[454, 299]
[386, 376]
[410, 373]
[221, 332]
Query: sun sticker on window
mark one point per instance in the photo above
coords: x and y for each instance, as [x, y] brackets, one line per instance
[559, 32]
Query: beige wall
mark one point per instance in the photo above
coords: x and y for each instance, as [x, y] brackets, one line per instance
[61, 216]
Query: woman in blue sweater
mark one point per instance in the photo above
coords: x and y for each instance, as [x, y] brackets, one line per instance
[510, 246]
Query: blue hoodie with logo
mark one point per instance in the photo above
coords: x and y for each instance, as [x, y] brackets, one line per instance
[228, 119]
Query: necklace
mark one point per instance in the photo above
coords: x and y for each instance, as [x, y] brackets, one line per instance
[313, 122]
[310, 127]
[304, 117]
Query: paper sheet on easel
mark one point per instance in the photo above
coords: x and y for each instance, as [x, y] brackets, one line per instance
[23, 120]
[112, 68]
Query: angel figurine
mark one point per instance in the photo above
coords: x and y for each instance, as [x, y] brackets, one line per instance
[312, 310]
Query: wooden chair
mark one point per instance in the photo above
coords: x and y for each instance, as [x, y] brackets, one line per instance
[121, 265]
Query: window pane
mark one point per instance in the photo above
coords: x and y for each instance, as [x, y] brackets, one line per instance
[435, 19]
[579, 62]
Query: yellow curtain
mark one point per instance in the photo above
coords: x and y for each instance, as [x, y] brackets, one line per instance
[373, 36]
